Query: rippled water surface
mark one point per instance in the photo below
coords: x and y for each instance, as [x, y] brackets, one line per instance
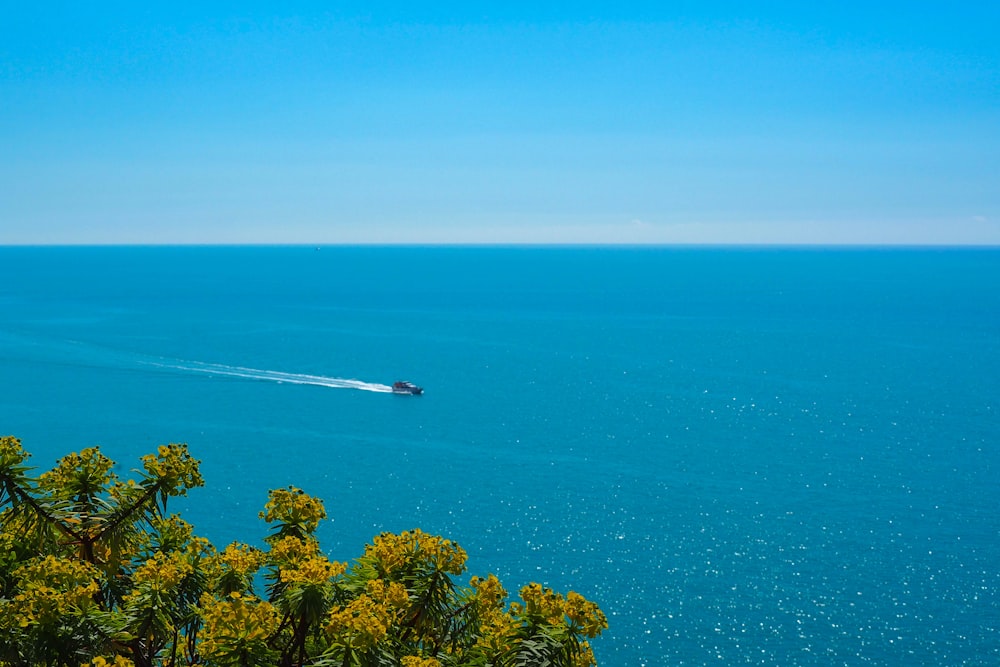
[761, 457]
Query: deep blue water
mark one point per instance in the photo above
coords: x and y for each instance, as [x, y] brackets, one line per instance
[746, 456]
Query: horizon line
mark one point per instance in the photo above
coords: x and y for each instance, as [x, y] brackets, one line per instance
[504, 244]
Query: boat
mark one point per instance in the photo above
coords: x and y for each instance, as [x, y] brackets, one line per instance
[406, 388]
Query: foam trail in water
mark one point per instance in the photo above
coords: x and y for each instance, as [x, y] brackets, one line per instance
[274, 376]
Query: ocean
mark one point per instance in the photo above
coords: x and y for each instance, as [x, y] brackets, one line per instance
[746, 456]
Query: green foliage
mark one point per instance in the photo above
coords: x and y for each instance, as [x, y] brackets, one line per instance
[94, 572]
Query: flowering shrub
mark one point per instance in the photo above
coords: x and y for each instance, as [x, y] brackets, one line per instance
[93, 572]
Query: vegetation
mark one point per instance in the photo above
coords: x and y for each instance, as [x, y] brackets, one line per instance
[93, 571]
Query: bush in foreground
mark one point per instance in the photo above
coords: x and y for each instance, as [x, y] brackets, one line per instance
[93, 571]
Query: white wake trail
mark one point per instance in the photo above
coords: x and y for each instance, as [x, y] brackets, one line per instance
[274, 376]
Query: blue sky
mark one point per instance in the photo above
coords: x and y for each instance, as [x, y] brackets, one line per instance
[683, 122]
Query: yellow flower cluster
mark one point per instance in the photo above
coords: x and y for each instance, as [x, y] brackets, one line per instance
[199, 547]
[361, 624]
[315, 571]
[294, 507]
[585, 615]
[124, 491]
[489, 591]
[50, 589]
[543, 602]
[496, 630]
[242, 559]
[86, 473]
[495, 626]
[8, 541]
[117, 661]
[162, 572]
[290, 551]
[11, 452]
[415, 546]
[173, 466]
[585, 656]
[56, 572]
[389, 593]
[173, 530]
[236, 625]
[417, 661]
[366, 620]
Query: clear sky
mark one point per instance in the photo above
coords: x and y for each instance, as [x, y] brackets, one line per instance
[507, 122]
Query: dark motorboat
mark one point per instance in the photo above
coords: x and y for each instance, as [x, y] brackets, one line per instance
[406, 388]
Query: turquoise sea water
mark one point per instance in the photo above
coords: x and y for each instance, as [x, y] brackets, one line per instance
[747, 457]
